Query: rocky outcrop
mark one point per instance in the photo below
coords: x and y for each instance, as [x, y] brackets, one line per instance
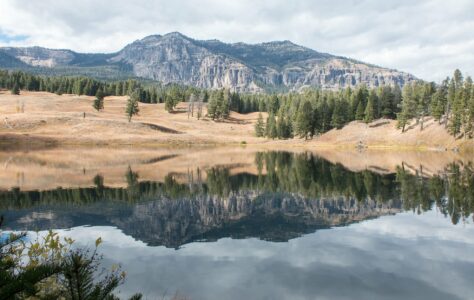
[175, 58]
[175, 222]
[40, 57]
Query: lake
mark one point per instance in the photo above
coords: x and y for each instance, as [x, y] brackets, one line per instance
[243, 223]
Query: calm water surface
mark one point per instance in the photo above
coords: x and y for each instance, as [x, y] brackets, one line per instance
[274, 225]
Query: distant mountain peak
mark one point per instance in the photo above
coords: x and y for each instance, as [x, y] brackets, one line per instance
[175, 57]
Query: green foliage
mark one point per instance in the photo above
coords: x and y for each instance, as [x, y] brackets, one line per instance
[370, 108]
[173, 97]
[449, 103]
[20, 279]
[408, 107]
[271, 127]
[260, 126]
[338, 118]
[132, 106]
[283, 126]
[15, 90]
[218, 107]
[50, 269]
[360, 111]
[304, 121]
[98, 103]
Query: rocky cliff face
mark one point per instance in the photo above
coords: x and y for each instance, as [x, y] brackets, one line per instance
[175, 58]
[174, 222]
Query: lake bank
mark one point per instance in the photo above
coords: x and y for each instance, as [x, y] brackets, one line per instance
[73, 166]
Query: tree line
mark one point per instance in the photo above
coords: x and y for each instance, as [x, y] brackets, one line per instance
[304, 114]
[314, 112]
[146, 93]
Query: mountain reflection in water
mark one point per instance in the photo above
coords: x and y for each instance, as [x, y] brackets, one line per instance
[291, 194]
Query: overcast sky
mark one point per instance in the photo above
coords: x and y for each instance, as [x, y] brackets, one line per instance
[427, 38]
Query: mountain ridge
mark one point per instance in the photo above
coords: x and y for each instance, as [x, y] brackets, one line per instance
[176, 58]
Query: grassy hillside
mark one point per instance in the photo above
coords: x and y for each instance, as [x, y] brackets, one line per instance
[40, 116]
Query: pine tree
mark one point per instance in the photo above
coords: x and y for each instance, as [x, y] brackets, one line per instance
[466, 99]
[438, 102]
[455, 122]
[132, 106]
[360, 111]
[451, 98]
[223, 101]
[283, 126]
[470, 125]
[172, 98]
[15, 90]
[369, 114]
[304, 121]
[408, 107]
[359, 102]
[423, 102]
[212, 107]
[260, 126]
[271, 128]
[337, 120]
[98, 103]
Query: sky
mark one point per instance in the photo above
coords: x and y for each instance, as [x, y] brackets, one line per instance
[426, 38]
[402, 256]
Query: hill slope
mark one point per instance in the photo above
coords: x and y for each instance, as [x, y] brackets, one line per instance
[57, 119]
[175, 58]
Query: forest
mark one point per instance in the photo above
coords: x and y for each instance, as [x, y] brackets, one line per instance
[303, 114]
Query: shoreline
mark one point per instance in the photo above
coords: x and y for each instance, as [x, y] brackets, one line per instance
[25, 141]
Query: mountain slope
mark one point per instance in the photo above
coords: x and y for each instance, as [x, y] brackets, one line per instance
[175, 58]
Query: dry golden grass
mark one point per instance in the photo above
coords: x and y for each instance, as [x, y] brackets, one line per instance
[61, 118]
[77, 166]
[44, 118]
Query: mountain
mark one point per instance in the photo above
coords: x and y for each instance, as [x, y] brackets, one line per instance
[175, 58]
[174, 222]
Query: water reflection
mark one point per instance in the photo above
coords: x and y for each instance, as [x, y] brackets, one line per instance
[289, 194]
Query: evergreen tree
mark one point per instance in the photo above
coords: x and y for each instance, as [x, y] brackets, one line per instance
[337, 120]
[273, 104]
[471, 115]
[423, 103]
[132, 106]
[213, 106]
[360, 111]
[369, 114]
[438, 102]
[304, 122]
[223, 101]
[451, 99]
[169, 103]
[260, 126]
[15, 90]
[271, 128]
[283, 126]
[466, 99]
[408, 107]
[359, 102]
[456, 101]
[98, 103]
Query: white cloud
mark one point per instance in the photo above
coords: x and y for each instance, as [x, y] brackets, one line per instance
[402, 256]
[427, 38]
